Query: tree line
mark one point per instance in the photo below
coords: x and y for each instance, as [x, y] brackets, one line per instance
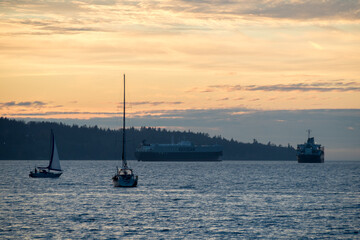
[31, 141]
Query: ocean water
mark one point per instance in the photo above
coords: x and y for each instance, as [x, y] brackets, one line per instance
[212, 200]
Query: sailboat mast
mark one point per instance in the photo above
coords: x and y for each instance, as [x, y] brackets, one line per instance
[123, 142]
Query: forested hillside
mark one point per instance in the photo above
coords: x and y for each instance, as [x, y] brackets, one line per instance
[20, 140]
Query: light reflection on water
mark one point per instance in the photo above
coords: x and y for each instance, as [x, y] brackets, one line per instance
[182, 200]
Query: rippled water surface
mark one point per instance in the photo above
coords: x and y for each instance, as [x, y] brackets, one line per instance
[224, 200]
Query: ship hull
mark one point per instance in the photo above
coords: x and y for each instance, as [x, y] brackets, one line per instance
[310, 158]
[178, 157]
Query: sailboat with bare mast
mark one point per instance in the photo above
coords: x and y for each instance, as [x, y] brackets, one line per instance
[124, 176]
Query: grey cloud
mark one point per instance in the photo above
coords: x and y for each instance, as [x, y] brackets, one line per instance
[228, 88]
[300, 10]
[23, 104]
[55, 26]
[35, 103]
[35, 22]
[207, 90]
[73, 21]
[239, 99]
[69, 29]
[104, 2]
[188, 114]
[57, 7]
[52, 113]
[286, 88]
[155, 103]
[8, 104]
[330, 86]
[313, 9]
[306, 9]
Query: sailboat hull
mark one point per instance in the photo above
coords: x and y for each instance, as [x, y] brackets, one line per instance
[44, 175]
[119, 181]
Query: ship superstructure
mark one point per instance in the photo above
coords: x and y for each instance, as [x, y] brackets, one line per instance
[182, 151]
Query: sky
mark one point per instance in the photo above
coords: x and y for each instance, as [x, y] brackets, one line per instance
[265, 70]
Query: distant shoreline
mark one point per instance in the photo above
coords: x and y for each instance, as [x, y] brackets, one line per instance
[31, 140]
[174, 161]
[150, 161]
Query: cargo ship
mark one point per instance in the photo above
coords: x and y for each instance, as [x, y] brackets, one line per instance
[182, 151]
[310, 152]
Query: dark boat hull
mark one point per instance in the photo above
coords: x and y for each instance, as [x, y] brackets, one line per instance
[44, 175]
[125, 182]
[310, 158]
[178, 156]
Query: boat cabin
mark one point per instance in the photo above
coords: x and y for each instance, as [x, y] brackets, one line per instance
[125, 172]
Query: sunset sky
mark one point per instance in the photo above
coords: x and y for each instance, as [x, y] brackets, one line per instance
[241, 69]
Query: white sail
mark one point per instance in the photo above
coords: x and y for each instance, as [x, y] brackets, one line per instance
[55, 161]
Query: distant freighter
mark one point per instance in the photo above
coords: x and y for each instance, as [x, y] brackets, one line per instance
[310, 152]
[182, 151]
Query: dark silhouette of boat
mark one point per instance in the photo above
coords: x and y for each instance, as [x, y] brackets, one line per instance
[183, 151]
[54, 168]
[310, 152]
[124, 176]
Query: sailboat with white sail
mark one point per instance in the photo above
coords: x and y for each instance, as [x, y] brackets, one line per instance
[54, 168]
[124, 176]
